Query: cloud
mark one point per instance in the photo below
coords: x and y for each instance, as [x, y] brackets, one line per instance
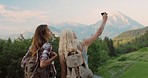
[1, 7]
[14, 14]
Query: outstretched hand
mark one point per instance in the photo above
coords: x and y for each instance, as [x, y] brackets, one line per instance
[104, 16]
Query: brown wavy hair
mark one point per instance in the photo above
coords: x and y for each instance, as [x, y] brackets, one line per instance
[40, 37]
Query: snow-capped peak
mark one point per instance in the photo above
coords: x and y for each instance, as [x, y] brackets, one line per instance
[118, 22]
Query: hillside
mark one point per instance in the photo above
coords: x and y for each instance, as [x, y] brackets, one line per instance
[129, 35]
[131, 65]
[139, 70]
[140, 67]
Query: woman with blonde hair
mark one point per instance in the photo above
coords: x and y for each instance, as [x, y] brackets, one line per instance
[73, 53]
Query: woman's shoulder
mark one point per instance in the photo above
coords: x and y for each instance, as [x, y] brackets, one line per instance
[46, 45]
[81, 43]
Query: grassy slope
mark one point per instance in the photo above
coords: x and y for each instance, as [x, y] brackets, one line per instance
[138, 70]
[126, 65]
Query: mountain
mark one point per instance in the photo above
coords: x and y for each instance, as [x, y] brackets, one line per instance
[27, 34]
[69, 25]
[117, 23]
[79, 29]
[6, 36]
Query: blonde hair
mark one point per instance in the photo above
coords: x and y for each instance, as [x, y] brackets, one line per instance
[67, 42]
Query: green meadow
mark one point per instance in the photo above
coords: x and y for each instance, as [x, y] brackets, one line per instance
[130, 65]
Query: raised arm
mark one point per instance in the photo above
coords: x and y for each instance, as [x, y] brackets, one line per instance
[88, 41]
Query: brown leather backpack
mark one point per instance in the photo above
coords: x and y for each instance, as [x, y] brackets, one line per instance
[32, 67]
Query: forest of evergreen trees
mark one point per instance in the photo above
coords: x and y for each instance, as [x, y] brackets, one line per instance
[11, 53]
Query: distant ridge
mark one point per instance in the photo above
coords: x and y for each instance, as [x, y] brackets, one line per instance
[131, 34]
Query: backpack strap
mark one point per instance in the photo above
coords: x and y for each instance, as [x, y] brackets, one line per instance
[38, 55]
[84, 53]
[37, 61]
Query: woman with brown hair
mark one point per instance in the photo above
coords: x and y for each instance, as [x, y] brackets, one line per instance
[41, 50]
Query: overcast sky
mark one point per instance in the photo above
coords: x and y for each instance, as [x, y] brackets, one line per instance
[20, 15]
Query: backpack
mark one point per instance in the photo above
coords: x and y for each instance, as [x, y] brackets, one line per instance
[76, 67]
[32, 67]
